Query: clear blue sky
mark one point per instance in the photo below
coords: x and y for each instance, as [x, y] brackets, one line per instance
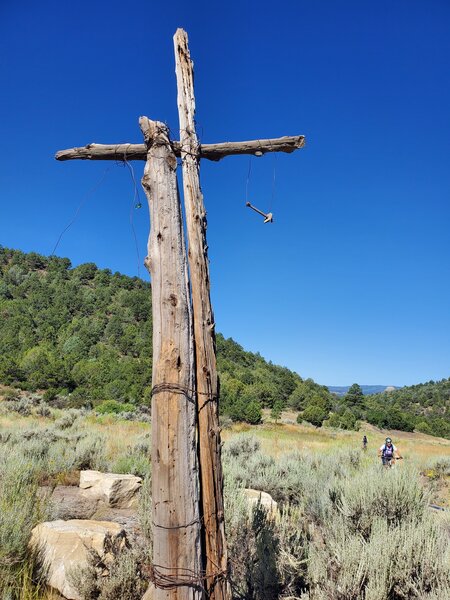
[352, 281]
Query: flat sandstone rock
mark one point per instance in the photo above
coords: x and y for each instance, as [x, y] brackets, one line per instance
[114, 489]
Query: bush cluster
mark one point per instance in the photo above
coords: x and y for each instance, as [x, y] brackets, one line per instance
[346, 530]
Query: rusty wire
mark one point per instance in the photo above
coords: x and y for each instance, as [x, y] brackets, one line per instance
[183, 577]
[181, 389]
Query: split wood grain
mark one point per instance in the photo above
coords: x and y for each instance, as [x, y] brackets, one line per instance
[175, 481]
[211, 477]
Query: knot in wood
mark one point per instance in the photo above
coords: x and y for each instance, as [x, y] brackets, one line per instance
[148, 263]
[214, 431]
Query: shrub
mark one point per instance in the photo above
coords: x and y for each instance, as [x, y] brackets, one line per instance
[225, 422]
[22, 407]
[346, 531]
[424, 427]
[242, 445]
[407, 561]
[122, 577]
[67, 420]
[50, 394]
[10, 395]
[133, 463]
[79, 398]
[43, 410]
[267, 555]
[21, 510]
[113, 407]
[394, 496]
[379, 541]
[313, 414]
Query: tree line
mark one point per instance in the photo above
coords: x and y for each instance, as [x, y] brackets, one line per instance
[83, 335]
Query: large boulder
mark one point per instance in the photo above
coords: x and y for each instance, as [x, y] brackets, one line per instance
[69, 502]
[264, 499]
[65, 546]
[115, 490]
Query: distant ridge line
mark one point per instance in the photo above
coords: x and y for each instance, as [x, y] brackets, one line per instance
[341, 390]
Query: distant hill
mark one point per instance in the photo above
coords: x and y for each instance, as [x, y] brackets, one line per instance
[424, 407]
[341, 390]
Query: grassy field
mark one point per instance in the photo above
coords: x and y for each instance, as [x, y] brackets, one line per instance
[326, 487]
[120, 437]
[276, 439]
[286, 436]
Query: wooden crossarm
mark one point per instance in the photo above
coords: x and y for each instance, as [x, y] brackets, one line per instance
[208, 151]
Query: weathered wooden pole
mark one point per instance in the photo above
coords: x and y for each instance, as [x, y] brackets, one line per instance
[190, 552]
[177, 562]
[211, 477]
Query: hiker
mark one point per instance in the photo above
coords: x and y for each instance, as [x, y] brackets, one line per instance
[388, 453]
[364, 442]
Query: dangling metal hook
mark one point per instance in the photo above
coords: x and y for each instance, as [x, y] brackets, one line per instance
[268, 218]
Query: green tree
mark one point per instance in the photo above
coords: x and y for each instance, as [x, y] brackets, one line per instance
[113, 407]
[253, 413]
[85, 272]
[377, 416]
[348, 420]
[299, 396]
[354, 398]
[10, 372]
[275, 413]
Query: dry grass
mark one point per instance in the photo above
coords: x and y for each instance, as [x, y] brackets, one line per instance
[323, 456]
[276, 439]
[120, 434]
[287, 436]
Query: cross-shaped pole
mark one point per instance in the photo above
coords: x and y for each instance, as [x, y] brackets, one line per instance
[189, 546]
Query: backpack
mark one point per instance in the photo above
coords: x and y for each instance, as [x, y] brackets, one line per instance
[388, 452]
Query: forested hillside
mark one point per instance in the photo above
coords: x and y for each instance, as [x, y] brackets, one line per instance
[84, 334]
[424, 407]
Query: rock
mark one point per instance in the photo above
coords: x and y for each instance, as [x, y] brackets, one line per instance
[69, 502]
[64, 546]
[149, 593]
[116, 490]
[127, 518]
[256, 496]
